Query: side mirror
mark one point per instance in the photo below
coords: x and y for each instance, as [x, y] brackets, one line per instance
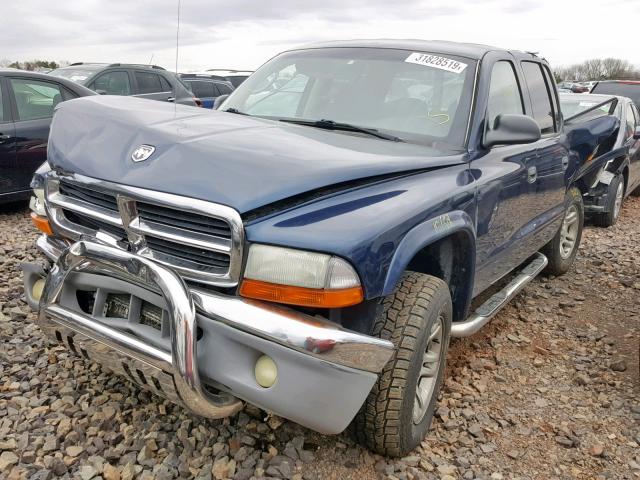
[512, 129]
[219, 101]
[636, 133]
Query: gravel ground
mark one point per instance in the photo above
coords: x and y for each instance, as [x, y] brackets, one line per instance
[549, 390]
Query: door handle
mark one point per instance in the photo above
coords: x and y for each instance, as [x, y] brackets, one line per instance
[532, 174]
[171, 99]
[4, 138]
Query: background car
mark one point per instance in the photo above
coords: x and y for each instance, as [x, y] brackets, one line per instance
[615, 175]
[207, 87]
[625, 88]
[144, 81]
[27, 103]
[235, 77]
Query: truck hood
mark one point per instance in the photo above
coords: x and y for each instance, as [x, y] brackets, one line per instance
[235, 160]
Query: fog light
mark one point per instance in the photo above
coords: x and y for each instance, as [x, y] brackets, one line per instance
[36, 290]
[266, 371]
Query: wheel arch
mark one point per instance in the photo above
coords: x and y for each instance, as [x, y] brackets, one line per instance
[444, 247]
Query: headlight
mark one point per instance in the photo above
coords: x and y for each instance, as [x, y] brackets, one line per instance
[297, 277]
[36, 204]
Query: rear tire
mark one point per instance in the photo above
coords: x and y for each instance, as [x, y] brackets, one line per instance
[561, 251]
[615, 196]
[398, 412]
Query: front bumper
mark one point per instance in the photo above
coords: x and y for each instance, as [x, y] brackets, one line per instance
[206, 361]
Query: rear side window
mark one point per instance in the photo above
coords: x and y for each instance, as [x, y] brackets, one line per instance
[624, 89]
[164, 83]
[631, 121]
[202, 89]
[112, 83]
[35, 99]
[1, 104]
[504, 92]
[148, 82]
[224, 89]
[540, 97]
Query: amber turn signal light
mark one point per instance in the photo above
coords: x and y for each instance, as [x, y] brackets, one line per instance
[41, 223]
[304, 297]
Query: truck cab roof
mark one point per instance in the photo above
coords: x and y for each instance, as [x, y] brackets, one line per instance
[473, 51]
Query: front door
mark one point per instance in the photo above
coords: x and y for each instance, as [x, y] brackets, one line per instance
[34, 103]
[505, 177]
[633, 122]
[8, 170]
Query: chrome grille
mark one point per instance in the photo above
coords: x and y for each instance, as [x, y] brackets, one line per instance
[201, 240]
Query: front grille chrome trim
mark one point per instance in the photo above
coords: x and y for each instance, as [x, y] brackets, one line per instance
[135, 228]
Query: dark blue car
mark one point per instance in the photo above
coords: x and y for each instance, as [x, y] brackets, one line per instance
[27, 103]
[312, 246]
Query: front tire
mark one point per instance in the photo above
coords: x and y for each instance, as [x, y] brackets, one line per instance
[615, 196]
[398, 412]
[561, 251]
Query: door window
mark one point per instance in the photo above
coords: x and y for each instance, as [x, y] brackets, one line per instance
[504, 92]
[35, 99]
[631, 121]
[540, 97]
[164, 84]
[1, 105]
[202, 89]
[224, 89]
[148, 82]
[113, 83]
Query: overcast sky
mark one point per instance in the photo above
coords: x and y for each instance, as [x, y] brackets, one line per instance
[243, 34]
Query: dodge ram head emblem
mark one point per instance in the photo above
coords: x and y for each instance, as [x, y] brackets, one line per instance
[143, 152]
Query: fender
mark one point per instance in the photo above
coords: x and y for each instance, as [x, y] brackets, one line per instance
[425, 234]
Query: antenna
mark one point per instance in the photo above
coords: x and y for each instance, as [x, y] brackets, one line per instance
[151, 59]
[178, 35]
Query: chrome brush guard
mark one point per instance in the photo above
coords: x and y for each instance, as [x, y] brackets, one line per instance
[172, 374]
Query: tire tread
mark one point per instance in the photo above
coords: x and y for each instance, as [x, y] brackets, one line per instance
[377, 425]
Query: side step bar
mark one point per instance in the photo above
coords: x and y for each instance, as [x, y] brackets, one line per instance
[488, 309]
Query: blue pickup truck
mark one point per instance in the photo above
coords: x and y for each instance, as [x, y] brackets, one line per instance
[310, 247]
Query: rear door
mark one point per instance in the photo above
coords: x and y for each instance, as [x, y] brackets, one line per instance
[112, 82]
[33, 103]
[152, 86]
[204, 89]
[8, 167]
[547, 175]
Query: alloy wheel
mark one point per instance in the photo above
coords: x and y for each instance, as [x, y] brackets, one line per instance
[569, 232]
[429, 371]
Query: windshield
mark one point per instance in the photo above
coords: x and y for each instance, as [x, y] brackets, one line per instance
[418, 97]
[78, 75]
[573, 104]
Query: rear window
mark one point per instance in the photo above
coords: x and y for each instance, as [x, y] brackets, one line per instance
[631, 90]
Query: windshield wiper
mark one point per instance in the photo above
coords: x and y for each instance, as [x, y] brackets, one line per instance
[346, 127]
[235, 110]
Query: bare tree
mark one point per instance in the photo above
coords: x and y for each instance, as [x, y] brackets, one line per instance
[598, 69]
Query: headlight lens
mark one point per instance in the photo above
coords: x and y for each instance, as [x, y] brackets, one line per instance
[298, 277]
[36, 203]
